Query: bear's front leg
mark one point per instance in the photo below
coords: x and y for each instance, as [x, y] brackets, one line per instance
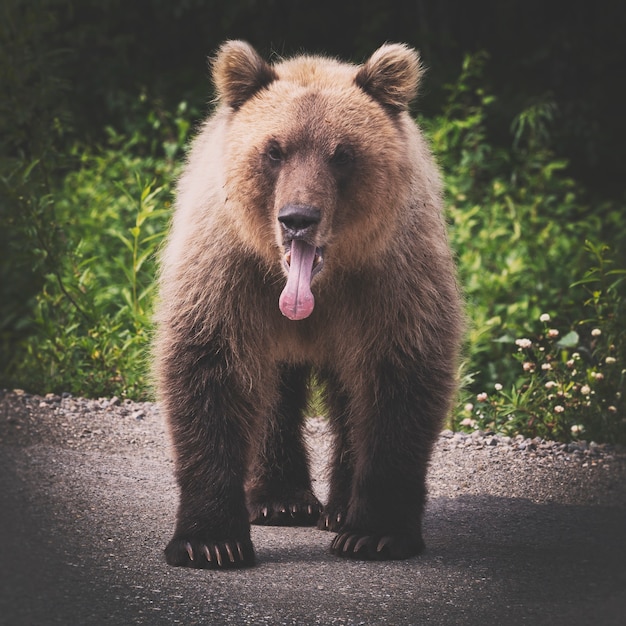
[279, 489]
[209, 419]
[392, 435]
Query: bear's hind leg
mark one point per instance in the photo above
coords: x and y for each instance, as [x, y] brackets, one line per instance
[279, 491]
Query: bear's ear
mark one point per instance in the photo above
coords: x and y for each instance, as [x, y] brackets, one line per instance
[391, 76]
[239, 72]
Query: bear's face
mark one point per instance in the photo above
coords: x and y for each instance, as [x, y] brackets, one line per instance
[317, 162]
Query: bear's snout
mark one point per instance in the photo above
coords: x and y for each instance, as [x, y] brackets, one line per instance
[299, 221]
[302, 260]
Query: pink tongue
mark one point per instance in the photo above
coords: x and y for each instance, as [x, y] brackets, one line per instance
[296, 301]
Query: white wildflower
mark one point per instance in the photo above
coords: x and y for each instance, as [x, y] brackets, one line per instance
[544, 317]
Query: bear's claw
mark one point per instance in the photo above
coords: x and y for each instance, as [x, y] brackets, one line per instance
[286, 514]
[330, 521]
[375, 547]
[210, 555]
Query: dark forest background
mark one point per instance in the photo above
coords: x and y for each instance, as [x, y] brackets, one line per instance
[80, 63]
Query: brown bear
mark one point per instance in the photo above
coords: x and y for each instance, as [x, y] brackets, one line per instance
[308, 237]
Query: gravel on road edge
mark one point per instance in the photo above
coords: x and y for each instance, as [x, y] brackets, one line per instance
[114, 425]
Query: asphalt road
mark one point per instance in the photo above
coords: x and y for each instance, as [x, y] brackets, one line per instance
[511, 540]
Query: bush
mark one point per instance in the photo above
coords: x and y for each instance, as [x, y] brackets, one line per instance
[569, 384]
[519, 227]
[92, 314]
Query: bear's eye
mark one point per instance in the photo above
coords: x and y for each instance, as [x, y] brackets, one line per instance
[275, 154]
[342, 156]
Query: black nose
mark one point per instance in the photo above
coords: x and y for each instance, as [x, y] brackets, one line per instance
[299, 220]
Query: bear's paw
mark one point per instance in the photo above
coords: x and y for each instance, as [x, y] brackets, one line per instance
[365, 546]
[203, 554]
[302, 509]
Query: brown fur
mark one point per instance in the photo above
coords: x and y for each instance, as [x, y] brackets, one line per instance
[383, 335]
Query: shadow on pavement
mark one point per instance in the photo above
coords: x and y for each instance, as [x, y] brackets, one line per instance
[83, 545]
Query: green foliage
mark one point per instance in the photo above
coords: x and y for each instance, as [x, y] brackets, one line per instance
[33, 127]
[86, 224]
[92, 314]
[569, 385]
[519, 227]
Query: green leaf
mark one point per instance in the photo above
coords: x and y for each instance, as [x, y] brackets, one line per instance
[504, 339]
[569, 341]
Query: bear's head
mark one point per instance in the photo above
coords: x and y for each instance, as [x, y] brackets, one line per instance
[319, 158]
